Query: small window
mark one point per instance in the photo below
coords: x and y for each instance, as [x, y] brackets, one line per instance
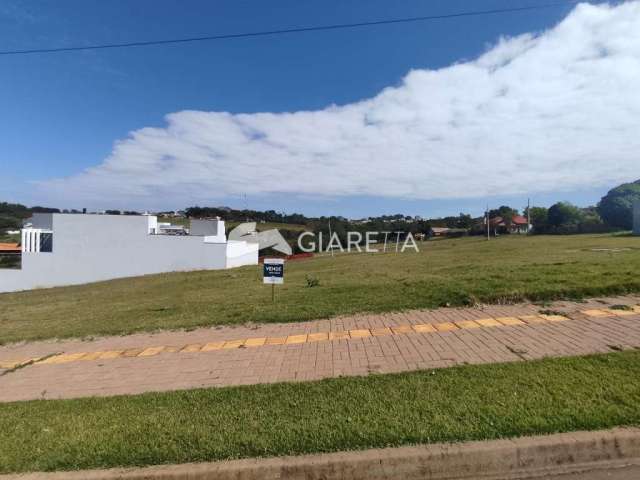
[46, 242]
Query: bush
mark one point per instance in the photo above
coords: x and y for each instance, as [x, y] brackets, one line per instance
[312, 281]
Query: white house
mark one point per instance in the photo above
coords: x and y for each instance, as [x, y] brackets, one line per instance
[67, 249]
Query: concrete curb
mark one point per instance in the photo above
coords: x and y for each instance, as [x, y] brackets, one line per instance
[526, 457]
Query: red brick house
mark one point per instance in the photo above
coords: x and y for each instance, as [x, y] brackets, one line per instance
[518, 224]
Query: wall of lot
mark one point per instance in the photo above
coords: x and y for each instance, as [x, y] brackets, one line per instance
[91, 248]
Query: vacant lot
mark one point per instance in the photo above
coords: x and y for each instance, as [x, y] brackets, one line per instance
[455, 272]
[454, 404]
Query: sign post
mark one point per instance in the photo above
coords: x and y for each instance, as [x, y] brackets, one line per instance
[273, 273]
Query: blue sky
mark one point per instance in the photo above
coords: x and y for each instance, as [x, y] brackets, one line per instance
[61, 113]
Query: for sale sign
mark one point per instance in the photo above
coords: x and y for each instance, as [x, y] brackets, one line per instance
[273, 271]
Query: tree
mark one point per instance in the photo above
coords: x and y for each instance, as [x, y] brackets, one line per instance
[38, 209]
[616, 207]
[539, 217]
[564, 214]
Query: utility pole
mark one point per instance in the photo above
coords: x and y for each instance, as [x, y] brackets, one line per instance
[528, 215]
[330, 237]
[488, 228]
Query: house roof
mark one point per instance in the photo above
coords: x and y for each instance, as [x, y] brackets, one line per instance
[9, 247]
[515, 220]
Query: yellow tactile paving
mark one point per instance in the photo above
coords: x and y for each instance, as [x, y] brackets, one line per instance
[489, 322]
[360, 333]
[316, 337]
[445, 326]
[296, 339]
[110, 354]
[621, 313]
[212, 346]
[467, 324]
[63, 358]
[233, 344]
[510, 321]
[338, 335]
[379, 332]
[554, 318]
[92, 356]
[597, 313]
[402, 329]
[424, 328]
[151, 351]
[193, 348]
[132, 352]
[255, 342]
[10, 364]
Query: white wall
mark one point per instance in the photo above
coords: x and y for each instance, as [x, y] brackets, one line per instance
[90, 248]
[241, 253]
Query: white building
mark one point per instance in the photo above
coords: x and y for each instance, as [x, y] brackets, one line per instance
[62, 249]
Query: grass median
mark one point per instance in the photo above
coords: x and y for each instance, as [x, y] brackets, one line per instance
[455, 272]
[455, 404]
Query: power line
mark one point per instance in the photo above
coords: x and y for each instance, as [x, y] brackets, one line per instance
[288, 30]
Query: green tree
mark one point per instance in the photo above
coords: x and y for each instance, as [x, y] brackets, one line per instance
[616, 207]
[539, 218]
[564, 214]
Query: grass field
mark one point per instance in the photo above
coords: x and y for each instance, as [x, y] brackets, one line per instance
[455, 272]
[454, 404]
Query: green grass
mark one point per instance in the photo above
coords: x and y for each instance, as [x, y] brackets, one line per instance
[455, 272]
[455, 404]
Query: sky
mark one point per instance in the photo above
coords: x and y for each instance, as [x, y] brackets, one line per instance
[429, 118]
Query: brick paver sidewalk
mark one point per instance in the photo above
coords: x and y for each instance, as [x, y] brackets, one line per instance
[355, 345]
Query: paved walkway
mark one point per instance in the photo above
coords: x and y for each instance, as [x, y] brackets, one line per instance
[355, 345]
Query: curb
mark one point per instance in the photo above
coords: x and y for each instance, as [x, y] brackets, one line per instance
[520, 458]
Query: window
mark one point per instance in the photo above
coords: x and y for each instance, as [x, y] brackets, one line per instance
[46, 242]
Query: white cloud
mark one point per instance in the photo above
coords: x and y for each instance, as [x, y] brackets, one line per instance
[558, 111]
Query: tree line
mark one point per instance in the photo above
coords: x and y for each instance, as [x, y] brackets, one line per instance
[613, 212]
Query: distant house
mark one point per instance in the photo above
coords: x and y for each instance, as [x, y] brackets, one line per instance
[439, 231]
[518, 224]
[10, 248]
[447, 232]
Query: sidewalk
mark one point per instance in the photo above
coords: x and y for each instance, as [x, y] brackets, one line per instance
[355, 345]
